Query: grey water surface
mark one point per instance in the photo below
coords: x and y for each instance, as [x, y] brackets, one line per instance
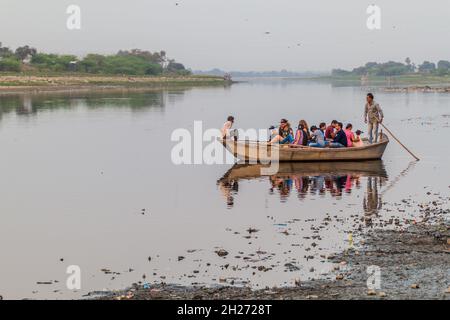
[87, 179]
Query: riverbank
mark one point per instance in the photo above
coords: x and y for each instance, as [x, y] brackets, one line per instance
[13, 84]
[413, 263]
[403, 80]
[422, 89]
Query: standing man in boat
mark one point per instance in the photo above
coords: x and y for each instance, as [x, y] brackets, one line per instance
[373, 116]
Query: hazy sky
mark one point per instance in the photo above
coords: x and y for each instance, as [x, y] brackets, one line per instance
[231, 34]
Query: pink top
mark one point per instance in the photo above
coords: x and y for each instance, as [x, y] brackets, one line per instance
[298, 137]
[349, 135]
[348, 183]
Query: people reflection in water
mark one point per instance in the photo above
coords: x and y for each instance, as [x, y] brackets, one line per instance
[283, 185]
[229, 189]
[372, 199]
[335, 185]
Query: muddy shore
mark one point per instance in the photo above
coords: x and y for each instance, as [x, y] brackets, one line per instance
[414, 264]
[422, 89]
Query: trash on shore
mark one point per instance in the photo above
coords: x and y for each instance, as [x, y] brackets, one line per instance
[128, 296]
[221, 253]
[291, 267]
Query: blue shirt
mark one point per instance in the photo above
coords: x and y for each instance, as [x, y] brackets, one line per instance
[318, 137]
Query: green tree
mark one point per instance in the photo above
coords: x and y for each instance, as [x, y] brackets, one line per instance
[371, 65]
[5, 51]
[10, 64]
[409, 64]
[443, 67]
[392, 68]
[92, 63]
[130, 64]
[24, 52]
[175, 67]
[53, 62]
[133, 62]
[427, 67]
[360, 71]
[157, 57]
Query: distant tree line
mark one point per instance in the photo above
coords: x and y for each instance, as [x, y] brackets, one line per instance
[133, 62]
[260, 74]
[392, 68]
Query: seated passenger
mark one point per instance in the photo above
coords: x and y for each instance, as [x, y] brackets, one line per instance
[306, 131]
[330, 131]
[272, 132]
[317, 137]
[227, 127]
[340, 139]
[350, 135]
[302, 134]
[285, 134]
[358, 140]
[323, 128]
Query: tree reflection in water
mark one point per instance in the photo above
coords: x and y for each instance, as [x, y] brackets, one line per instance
[136, 100]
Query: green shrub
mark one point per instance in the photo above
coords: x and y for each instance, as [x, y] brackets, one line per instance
[131, 65]
[92, 63]
[10, 64]
[53, 62]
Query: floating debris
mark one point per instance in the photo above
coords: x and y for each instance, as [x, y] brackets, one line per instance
[291, 267]
[340, 277]
[221, 253]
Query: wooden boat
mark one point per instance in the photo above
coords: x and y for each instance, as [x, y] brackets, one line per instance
[255, 152]
[372, 168]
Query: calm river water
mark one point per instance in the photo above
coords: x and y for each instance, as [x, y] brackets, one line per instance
[87, 180]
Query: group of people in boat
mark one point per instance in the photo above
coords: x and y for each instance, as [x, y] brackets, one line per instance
[334, 135]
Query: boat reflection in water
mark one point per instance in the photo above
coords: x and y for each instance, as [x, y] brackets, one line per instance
[318, 179]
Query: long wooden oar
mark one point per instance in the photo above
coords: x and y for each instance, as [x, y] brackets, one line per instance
[393, 136]
[399, 177]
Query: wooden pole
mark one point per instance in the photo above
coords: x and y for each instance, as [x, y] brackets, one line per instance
[393, 136]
